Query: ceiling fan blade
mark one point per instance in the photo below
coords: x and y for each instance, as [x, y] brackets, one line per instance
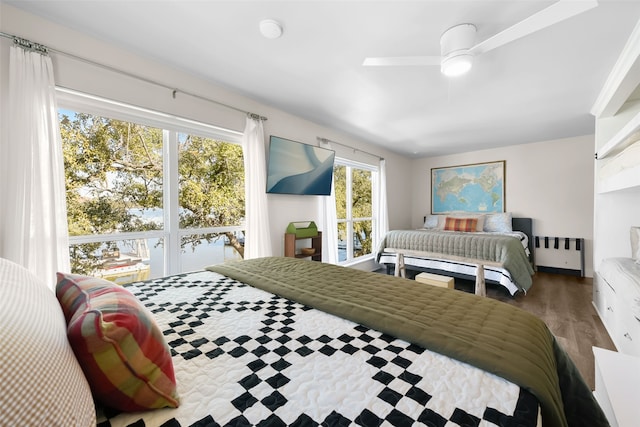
[402, 61]
[557, 12]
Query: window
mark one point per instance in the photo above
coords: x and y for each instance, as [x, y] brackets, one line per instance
[354, 209]
[148, 194]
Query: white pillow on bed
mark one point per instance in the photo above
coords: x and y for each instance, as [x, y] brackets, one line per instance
[499, 222]
[431, 221]
[42, 382]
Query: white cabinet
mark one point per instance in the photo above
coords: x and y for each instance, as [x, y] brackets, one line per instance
[617, 192]
[604, 301]
[628, 333]
[615, 306]
[618, 387]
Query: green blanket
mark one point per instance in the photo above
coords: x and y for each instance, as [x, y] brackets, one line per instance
[489, 334]
[507, 250]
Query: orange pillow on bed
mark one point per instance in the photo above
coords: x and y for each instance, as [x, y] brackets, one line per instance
[460, 224]
[118, 344]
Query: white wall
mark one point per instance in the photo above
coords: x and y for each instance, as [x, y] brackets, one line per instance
[74, 74]
[551, 182]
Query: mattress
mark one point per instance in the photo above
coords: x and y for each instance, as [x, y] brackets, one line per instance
[244, 356]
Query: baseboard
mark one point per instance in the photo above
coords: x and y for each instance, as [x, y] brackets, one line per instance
[556, 270]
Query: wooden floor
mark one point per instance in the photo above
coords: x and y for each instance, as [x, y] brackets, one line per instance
[564, 304]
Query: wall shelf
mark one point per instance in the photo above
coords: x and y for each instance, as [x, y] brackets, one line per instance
[621, 139]
[627, 179]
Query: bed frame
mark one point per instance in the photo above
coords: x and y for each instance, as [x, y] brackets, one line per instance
[524, 225]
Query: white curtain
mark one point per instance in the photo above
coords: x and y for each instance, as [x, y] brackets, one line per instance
[257, 241]
[380, 204]
[33, 214]
[329, 223]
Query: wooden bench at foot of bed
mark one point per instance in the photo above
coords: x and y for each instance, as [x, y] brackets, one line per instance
[401, 269]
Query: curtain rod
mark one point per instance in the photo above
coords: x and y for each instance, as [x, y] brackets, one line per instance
[325, 140]
[44, 49]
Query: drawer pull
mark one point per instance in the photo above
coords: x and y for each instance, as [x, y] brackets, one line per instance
[609, 309]
[627, 336]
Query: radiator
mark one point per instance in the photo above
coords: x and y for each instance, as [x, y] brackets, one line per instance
[563, 255]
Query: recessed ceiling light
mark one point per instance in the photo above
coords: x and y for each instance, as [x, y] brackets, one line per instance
[270, 28]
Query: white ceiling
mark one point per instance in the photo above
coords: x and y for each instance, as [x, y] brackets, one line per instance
[537, 88]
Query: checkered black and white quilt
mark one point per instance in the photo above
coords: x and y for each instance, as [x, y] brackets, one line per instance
[243, 356]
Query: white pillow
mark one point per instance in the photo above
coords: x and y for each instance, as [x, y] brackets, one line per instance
[431, 221]
[499, 222]
[42, 382]
[635, 244]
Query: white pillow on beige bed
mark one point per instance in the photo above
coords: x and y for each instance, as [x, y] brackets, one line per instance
[431, 221]
[42, 382]
[499, 222]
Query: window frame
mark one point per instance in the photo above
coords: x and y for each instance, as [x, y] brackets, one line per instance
[375, 182]
[171, 126]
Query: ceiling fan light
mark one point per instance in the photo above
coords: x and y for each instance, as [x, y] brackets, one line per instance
[456, 65]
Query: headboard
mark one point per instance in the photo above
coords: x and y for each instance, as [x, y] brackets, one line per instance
[526, 226]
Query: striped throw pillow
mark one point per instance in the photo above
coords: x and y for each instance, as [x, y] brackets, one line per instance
[118, 344]
[460, 224]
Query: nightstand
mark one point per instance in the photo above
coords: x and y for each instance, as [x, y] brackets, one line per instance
[291, 249]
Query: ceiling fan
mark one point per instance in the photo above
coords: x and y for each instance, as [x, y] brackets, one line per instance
[458, 45]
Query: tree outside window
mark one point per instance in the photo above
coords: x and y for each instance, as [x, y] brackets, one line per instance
[119, 205]
[354, 209]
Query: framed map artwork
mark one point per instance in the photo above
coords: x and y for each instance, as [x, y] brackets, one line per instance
[477, 188]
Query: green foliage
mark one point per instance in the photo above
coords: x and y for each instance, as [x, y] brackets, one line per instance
[211, 187]
[114, 173]
[340, 188]
[361, 206]
[110, 167]
[211, 183]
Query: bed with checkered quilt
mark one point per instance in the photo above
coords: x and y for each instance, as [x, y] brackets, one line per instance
[250, 356]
